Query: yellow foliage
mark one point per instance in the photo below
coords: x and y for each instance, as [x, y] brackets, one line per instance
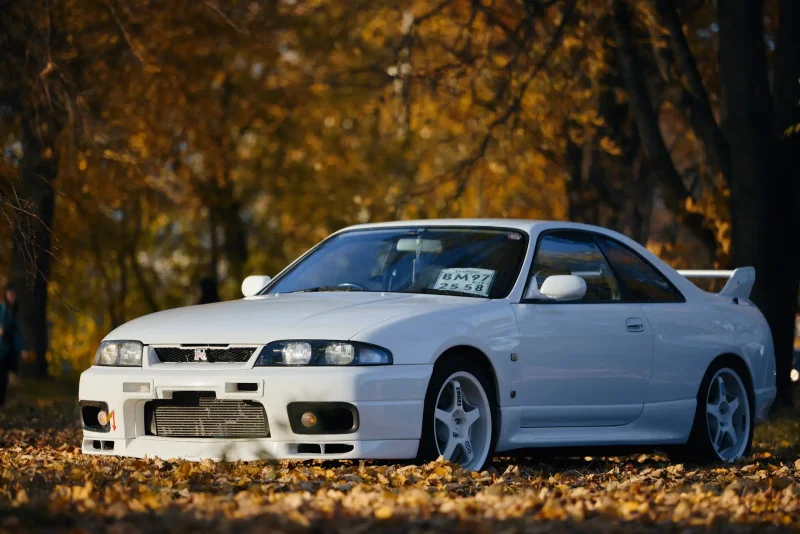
[251, 123]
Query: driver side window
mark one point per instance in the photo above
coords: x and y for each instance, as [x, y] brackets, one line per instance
[577, 254]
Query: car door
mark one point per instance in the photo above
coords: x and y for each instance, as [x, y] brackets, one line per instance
[673, 323]
[586, 362]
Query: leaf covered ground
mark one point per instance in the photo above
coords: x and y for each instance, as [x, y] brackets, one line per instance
[47, 485]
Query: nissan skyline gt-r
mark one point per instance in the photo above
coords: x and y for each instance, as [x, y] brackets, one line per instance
[453, 338]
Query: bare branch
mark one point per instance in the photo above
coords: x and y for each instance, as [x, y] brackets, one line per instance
[673, 189]
[225, 17]
[125, 33]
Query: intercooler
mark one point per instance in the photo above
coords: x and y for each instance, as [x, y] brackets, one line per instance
[201, 415]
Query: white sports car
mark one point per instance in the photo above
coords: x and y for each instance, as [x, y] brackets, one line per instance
[460, 338]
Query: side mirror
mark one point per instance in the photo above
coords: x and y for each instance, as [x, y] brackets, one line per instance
[563, 287]
[254, 284]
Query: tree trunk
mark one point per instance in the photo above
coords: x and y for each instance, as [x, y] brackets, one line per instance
[235, 234]
[759, 204]
[673, 190]
[581, 201]
[133, 247]
[642, 211]
[227, 213]
[699, 108]
[787, 204]
[213, 261]
[605, 189]
[32, 254]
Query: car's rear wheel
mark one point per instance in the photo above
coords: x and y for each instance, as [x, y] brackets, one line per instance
[723, 424]
[458, 422]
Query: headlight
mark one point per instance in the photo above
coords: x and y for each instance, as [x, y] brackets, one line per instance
[296, 353]
[322, 353]
[340, 353]
[119, 353]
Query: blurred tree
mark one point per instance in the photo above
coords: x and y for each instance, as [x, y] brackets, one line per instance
[675, 193]
[609, 182]
[764, 184]
[743, 150]
[187, 140]
[38, 91]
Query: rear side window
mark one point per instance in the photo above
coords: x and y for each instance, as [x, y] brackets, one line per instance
[642, 282]
[578, 254]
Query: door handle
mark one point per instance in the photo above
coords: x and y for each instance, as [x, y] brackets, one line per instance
[634, 324]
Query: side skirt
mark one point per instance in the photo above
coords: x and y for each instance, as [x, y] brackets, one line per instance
[661, 423]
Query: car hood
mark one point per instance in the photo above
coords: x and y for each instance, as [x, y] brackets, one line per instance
[259, 320]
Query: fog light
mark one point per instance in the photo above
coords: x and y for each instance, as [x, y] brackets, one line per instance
[102, 418]
[309, 419]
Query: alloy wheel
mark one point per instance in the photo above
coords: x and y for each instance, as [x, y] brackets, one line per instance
[727, 414]
[462, 421]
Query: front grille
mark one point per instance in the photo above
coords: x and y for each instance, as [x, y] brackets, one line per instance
[204, 354]
[200, 415]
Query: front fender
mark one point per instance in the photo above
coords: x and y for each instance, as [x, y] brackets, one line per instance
[420, 338]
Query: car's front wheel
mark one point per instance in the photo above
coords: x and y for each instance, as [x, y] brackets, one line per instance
[723, 425]
[458, 420]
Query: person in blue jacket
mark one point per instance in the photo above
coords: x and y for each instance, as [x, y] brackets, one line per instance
[10, 338]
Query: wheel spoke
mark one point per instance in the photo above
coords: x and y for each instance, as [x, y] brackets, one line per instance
[713, 411]
[733, 405]
[468, 451]
[458, 396]
[721, 387]
[729, 431]
[715, 439]
[444, 416]
[719, 439]
[473, 416]
[449, 449]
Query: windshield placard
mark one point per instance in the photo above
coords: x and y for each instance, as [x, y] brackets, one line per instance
[466, 280]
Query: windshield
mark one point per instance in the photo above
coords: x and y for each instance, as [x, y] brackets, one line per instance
[453, 261]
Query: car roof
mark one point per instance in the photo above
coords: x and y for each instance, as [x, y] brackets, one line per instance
[526, 225]
[516, 224]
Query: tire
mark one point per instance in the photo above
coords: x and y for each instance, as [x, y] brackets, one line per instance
[450, 426]
[723, 429]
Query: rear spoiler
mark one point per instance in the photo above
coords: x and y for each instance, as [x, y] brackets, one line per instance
[740, 281]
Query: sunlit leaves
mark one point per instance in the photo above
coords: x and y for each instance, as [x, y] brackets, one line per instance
[45, 480]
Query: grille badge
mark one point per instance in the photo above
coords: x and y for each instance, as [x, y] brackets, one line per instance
[204, 354]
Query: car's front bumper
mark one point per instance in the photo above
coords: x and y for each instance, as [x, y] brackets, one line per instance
[389, 400]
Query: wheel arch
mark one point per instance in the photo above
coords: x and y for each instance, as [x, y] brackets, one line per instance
[477, 356]
[739, 364]
[462, 354]
[698, 447]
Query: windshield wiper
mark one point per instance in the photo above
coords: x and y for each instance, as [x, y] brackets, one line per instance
[322, 289]
[451, 292]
